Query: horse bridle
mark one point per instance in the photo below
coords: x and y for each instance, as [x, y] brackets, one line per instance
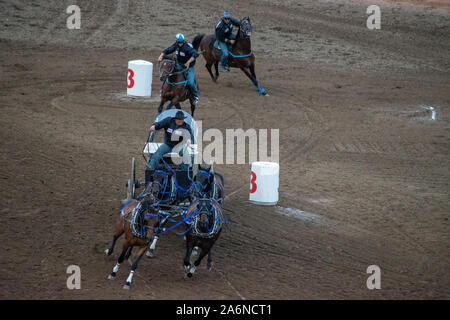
[211, 210]
[163, 185]
[171, 72]
[203, 186]
[161, 73]
[245, 28]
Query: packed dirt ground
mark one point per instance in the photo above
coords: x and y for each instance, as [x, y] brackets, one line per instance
[364, 176]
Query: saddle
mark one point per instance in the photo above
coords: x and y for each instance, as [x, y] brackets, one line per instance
[214, 45]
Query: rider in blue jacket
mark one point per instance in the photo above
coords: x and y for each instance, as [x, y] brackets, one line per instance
[186, 55]
[224, 33]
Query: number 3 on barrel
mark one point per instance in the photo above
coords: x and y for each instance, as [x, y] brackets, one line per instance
[130, 77]
[253, 185]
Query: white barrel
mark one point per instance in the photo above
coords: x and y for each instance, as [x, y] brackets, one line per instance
[139, 78]
[264, 183]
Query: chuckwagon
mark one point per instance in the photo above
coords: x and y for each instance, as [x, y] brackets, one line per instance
[176, 168]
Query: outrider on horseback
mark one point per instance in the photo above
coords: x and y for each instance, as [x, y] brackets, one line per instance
[178, 75]
[232, 50]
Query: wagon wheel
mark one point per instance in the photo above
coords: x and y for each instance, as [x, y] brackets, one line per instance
[131, 183]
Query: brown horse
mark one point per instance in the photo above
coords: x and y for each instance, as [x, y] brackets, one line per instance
[206, 225]
[174, 87]
[241, 54]
[148, 221]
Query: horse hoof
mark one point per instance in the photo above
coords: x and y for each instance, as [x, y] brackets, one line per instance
[107, 252]
[127, 286]
[112, 276]
[190, 275]
[209, 267]
[150, 253]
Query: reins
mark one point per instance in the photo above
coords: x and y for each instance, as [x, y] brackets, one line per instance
[243, 55]
[171, 73]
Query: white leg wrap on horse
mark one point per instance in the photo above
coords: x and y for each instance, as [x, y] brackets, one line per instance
[192, 269]
[130, 277]
[116, 267]
[153, 245]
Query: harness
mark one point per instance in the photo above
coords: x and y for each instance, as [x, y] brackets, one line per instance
[164, 191]
[218, 220]
[203, 186]
[174, 191]
[171, 73]
[215, 191]
[180, 191]
[137, 226]
[170, 189]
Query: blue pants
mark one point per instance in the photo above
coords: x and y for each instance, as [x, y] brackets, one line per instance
[157, 156]
[190, 77]
[225, 53]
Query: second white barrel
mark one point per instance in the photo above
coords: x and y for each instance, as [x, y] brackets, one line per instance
[264, 183]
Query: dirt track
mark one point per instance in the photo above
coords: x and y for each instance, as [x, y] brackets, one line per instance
[358, 150]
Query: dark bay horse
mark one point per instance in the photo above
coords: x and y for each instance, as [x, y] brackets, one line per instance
[208, 218]
[174, 88]
[148, 221]
[204, 231]
[241, 54]
[210, 184]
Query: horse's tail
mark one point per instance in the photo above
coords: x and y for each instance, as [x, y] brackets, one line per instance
[196, 42]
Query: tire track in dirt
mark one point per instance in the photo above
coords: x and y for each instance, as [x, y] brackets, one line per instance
[313, 118]
[121, 9]
[409, 240]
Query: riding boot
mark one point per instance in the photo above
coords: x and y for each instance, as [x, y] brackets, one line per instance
[225, 67]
